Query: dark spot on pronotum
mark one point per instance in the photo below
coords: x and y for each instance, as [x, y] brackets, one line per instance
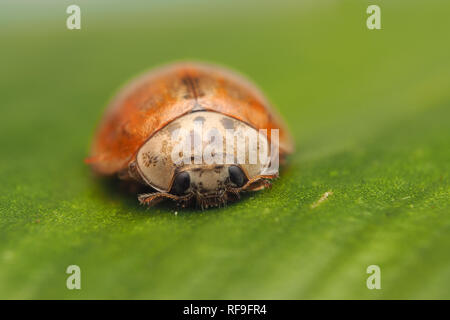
[227, 123]
[173, 126]
[200, 119]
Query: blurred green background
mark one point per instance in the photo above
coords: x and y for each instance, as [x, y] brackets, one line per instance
[370, 112]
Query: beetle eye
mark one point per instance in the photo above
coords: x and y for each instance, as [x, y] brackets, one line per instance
[236, 175]
[181, 183]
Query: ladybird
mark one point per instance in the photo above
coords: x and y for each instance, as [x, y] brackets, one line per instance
[154, 122]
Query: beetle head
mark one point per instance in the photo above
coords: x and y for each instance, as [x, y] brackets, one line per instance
[207, 186]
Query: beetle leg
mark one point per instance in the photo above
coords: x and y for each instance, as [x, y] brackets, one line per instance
[257, 184]
[151, 199]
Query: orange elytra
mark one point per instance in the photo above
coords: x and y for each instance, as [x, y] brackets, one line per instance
[150, 127]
